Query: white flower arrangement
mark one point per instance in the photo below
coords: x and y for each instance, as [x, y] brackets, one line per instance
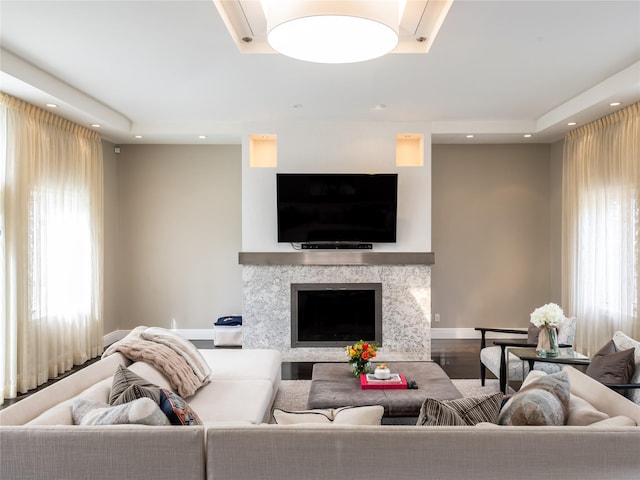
[549, 315]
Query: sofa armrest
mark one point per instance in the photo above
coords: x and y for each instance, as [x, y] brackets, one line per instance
[601, 397]
[132, 452]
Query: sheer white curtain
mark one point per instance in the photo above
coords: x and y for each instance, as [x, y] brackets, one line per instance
[51, 245]
[601, 201]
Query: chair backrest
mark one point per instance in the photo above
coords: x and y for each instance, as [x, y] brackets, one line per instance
[567, 332]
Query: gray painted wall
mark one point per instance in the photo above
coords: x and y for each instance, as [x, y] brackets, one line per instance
[494, 234]
[178, 236]
[173, 233]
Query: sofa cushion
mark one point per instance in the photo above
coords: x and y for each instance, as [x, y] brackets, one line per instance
[177, 409]
[142, 411]
[582, 413]
[625, 342]
[127, 386]
[60, 414]
[242, 401]
[617, 421]
[365, 415]
[544, 401]
[462, 411]
[244, 364]
[610, 365]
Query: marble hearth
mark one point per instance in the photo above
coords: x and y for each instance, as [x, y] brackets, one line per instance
[406, 299]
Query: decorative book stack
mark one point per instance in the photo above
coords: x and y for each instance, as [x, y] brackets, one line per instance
[396, 381]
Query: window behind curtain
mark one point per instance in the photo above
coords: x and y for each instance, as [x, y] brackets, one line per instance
[52, 199]
[60, 252]
[607, 260]
[601, 228]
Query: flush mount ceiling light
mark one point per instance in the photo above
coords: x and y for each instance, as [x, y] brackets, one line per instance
[357, 29]
[332, 31]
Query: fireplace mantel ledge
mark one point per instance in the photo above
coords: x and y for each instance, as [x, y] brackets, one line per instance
[336, 258]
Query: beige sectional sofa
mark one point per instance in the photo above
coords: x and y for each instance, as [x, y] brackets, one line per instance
[37, 439]
[317, 452]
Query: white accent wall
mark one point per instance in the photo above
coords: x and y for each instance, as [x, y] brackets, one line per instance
[322, 147]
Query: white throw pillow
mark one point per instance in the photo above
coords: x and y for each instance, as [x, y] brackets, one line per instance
[367, 415]
[288, 417]
[624, 342]
[370, 415]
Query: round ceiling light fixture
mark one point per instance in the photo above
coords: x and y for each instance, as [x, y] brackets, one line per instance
[333, 31]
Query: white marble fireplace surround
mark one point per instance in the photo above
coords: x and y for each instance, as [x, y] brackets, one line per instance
[406, 299]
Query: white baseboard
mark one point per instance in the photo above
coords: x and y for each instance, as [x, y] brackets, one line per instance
[189, 334]
[196, 333]
[449, 333]
[113, 337]
[207, 334]
[452, 333]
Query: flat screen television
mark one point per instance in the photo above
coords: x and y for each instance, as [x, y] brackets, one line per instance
[336, 208]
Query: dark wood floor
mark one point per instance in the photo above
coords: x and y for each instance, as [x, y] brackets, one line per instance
[459, 358]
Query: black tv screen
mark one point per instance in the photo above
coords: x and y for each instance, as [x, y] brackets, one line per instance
[336, 207]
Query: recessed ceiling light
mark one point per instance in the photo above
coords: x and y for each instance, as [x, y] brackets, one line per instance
[470, 136]
[202, 136]
[527, 135]
[614, 104]
[96, 125]
[137, 136]
[52, 105]
[571, 124]
[380, 106]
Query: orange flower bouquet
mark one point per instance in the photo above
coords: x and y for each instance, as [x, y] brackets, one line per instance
[360, 356]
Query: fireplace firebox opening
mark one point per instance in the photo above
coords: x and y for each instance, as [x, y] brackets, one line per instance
[335, 314]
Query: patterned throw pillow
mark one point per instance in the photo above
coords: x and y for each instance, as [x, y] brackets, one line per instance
[544, 401]
[462, 411]
[128, 386]
[177, 409]
[143, 411]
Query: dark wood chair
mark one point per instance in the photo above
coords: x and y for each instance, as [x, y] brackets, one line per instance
[494, 357]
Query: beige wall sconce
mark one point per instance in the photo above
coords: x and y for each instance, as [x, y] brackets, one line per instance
[409, 150]
[263, 151]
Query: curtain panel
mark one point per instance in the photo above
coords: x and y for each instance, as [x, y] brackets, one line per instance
[601, 201]
[51, 243]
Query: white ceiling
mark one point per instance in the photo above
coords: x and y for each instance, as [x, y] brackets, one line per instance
[170, 71]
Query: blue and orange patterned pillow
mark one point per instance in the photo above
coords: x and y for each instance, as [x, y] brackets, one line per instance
[177, 409]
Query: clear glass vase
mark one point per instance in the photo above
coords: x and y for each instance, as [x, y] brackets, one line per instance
[361, 366]
[552, 333]
[547, 342]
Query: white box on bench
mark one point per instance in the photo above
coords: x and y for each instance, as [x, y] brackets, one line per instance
[227, 335]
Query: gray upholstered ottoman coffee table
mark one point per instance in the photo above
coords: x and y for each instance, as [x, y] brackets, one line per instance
[334, 385]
